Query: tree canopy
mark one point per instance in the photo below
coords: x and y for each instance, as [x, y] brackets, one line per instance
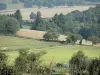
[85, 23]
[8, 25]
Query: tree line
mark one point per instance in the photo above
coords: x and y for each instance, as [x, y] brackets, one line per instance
[52, 3]
[11, 23]
[85, 23]
[48, 3]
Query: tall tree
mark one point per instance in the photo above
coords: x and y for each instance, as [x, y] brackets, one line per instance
[33, 16]
[78, 64]
[38, 18]
[18, 16]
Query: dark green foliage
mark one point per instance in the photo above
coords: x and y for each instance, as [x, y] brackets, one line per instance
[69, 40]
[8, 25]
[82, 65]
[73, 38]
[51, 35]
[78, 65]
[94, 39]
[18, 16]
[85, 23]
[94, 67]
[3, 59]
[3, 6]
[32, 16]
[42, 24]
[30, 63]
[37, 20]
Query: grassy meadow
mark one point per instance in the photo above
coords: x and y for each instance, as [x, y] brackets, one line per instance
[55, 51]
[11, 42]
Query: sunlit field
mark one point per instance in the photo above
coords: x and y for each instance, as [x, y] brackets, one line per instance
[47, 12]
[55, 52]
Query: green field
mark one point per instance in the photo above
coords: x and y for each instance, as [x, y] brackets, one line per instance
[17, 43]
[55, 53]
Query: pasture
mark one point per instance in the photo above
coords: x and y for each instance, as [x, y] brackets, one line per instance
[47, 12]
[55, 51]
[11, 42]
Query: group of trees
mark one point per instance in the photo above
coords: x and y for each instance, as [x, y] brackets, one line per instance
[30, 63]
[51, 35]
[52, 3]
[85, 23]
[82, 65]
[9, 24]
[72, 38]
[25, 63]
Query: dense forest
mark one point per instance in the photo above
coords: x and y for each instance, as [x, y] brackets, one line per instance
[85, 23]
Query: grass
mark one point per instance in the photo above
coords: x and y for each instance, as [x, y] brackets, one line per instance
[54, 54]
[64, 53]
[61, 54]
[17, 43]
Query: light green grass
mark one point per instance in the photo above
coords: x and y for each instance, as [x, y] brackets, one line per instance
[61, 54]
[64, 53]
[16, 43]
[54, 54]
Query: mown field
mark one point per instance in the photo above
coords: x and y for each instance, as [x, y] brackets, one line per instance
[11, 42]
[55, 51]
[36, 34]
[47, 12]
